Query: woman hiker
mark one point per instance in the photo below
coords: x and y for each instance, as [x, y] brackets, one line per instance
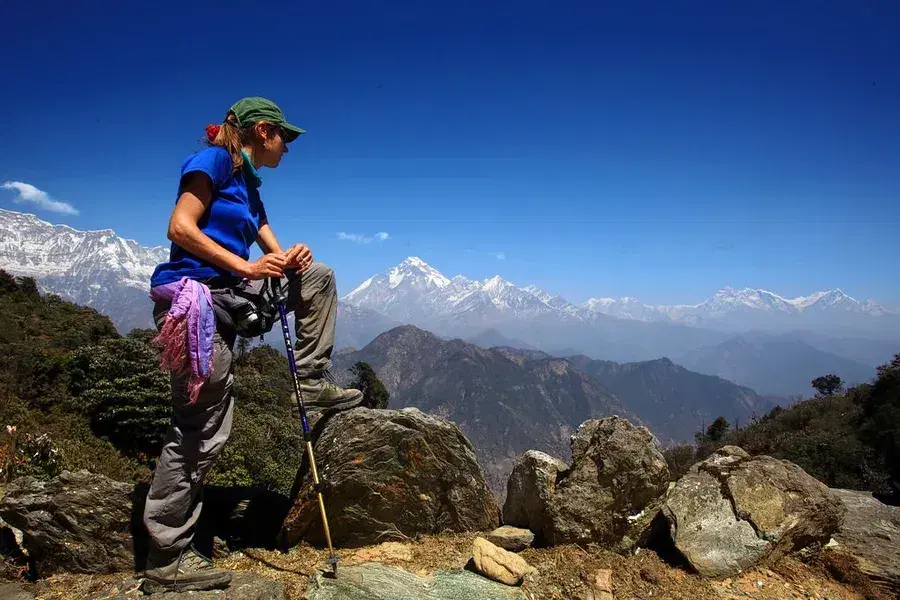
[218, 215]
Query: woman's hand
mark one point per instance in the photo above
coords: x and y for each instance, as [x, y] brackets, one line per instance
[270, 265]
[298, 256]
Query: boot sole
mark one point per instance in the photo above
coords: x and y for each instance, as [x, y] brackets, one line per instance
[152, 586]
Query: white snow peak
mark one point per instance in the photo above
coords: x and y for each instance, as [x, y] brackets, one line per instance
[414, 287]
[35, 248]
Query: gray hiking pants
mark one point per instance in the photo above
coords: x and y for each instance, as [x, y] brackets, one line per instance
[198, 432]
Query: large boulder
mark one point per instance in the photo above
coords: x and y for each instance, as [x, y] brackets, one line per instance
[608, 495]
[871, 533]
[732, 511]
[618, 472]
[77, 522]
[391, 475]
[531, 486]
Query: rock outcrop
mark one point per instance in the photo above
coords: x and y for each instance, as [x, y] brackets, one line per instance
[608, 495]
[732, 511]
[374, 581]
[617, 473]
[530, 490]
[77, 522]
[871, 533]
[391, 475]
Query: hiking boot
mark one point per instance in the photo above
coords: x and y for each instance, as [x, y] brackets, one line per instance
[323, 393]
[189, 571]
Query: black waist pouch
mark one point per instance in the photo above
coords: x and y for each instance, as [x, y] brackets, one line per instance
[249, 308]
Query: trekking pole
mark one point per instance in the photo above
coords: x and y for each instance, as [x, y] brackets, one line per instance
[307, 437]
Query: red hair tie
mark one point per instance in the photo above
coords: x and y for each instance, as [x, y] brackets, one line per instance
[212, 131]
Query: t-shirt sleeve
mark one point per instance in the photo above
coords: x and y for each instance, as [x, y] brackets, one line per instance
[263, 218]
[215, 162]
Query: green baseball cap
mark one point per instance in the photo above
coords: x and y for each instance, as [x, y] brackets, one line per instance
[255, 109]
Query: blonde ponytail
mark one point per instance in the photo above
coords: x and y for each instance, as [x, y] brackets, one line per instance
[230, 137]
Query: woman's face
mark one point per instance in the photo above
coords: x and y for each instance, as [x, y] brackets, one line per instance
[272, 144]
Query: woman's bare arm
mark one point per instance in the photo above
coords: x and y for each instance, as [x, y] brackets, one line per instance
[195, 197]
[267, 240]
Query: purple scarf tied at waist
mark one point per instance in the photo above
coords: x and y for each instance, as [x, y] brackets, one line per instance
[186, 337]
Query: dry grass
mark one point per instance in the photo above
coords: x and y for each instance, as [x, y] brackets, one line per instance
[565, 573]
[66, 586]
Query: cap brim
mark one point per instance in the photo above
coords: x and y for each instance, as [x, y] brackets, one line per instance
[292, 132]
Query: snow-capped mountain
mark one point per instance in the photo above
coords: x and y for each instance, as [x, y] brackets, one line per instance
[747, 309]
[557, 302]
[35, 248]
[110, 273]
[93, 268]
[405, 292]
[415, 292]
[622, 308]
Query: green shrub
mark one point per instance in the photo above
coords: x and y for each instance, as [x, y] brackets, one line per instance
[120, 387]
[264, 450]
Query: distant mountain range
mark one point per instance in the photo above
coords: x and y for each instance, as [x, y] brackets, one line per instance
[771, 364]
[414, 291]
[93, 268]
[508, 400]
[839, 333]
[674, 401]
[771, 353]
[729, 302]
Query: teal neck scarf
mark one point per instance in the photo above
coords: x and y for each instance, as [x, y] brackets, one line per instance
[251, 175]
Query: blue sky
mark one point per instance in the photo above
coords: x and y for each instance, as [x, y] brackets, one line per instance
[659, 150]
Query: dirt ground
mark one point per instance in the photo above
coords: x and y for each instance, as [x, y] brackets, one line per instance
[564, 573]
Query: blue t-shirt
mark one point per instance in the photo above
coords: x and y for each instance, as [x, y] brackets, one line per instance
[232, 219]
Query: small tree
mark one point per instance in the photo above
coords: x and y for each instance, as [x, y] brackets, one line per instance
[375, 395]
[28, 286]
[716, 432]
[828, 385]
[711, 439]
[8, 283]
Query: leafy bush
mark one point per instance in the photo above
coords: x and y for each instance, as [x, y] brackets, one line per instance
[42, 444]
[824, 435]
[849, 440]
[264, 450]
[76, 394]
[25, 453]
[880, 425]
[119, 385]
[266, 445]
